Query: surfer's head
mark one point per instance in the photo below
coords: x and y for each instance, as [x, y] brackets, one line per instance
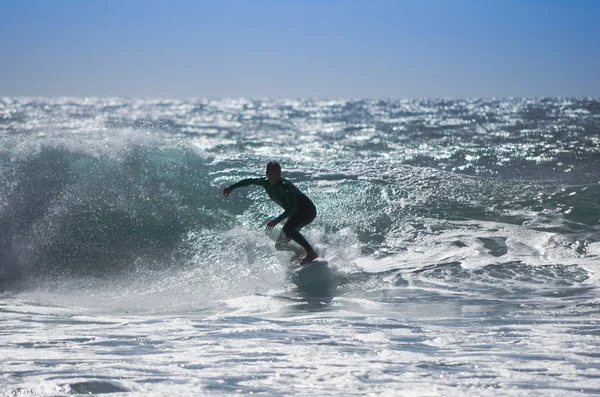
[273, 172]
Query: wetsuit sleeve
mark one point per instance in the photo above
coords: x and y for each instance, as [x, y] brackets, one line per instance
[292, 206]
[249, 181]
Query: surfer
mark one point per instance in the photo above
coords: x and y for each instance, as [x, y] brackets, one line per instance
[299, 209]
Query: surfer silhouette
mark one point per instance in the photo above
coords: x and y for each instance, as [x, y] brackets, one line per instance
[298, 209]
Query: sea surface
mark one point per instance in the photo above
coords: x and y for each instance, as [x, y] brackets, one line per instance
[462, 239]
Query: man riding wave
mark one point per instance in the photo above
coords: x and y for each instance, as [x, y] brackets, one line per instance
[299, 210]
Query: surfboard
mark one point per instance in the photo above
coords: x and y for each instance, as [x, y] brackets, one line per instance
[315, 277]
[298, 268]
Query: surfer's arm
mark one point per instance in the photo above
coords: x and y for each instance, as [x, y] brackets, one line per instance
[292, 205]
[244, 182]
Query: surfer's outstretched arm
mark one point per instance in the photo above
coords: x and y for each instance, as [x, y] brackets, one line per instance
[244, 182]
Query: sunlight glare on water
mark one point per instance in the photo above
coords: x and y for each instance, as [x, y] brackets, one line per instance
[461, 241]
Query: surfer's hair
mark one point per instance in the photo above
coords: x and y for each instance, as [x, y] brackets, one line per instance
[273, 165]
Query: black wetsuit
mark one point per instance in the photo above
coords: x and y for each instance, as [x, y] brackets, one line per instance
[299, 209]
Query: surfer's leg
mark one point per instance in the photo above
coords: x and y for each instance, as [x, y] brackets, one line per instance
[283, 244]
[291, 233]
[311, 254]
[291, 230]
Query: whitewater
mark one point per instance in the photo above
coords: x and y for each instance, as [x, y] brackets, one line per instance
[462, 237]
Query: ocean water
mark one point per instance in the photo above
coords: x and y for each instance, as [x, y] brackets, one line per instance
[462, 239]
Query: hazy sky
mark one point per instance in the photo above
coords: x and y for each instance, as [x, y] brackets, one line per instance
[300, 48]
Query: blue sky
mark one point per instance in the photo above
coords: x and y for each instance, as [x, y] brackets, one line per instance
[300, 48]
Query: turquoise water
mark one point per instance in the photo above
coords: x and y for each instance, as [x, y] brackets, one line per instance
[462, 238]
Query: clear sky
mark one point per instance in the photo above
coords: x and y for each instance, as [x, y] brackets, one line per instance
[300, 48]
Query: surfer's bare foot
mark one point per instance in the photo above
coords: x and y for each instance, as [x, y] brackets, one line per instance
[310, 256]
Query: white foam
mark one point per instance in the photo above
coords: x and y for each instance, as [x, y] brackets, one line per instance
[461, 241]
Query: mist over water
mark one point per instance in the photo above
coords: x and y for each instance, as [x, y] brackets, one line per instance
[440, 219]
